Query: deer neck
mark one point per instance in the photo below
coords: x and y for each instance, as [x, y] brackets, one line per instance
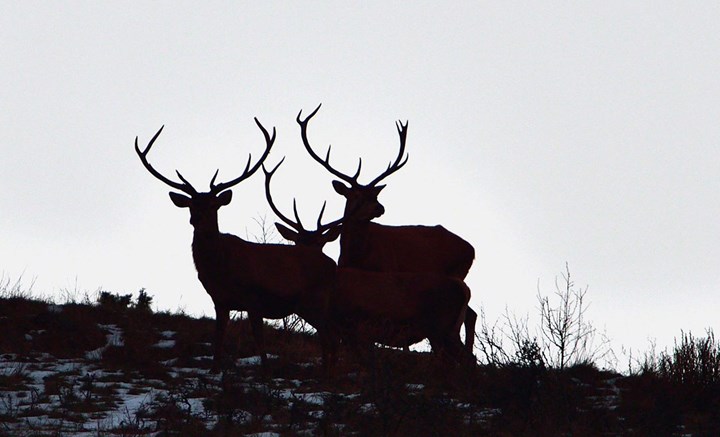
[205, 246]
[207, 232]
[353, 242]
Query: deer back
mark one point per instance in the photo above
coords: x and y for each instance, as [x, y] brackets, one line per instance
[382, 248]
[275, 269]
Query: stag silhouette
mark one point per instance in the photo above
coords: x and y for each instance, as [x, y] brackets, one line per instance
[367, 245]
[266, 280]
[392, 308]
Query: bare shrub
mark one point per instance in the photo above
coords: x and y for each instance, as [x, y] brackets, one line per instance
[563, 338]
[266, 233]
[489, 341]
[567, 338]
[15, 289]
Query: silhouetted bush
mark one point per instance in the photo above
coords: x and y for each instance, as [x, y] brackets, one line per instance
[119, 303]
[694, 361]
[143, 301]
[681, 386]
[113, 301]
[529, 355]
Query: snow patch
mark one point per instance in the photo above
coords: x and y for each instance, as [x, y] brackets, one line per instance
[165, 344]
[114, 338]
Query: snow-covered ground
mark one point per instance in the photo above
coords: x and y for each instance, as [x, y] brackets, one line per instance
[79, 397]
[89, 371]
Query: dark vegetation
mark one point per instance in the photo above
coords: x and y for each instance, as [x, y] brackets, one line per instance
[109, 365]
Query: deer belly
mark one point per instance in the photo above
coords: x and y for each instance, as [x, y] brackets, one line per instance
[390, 333]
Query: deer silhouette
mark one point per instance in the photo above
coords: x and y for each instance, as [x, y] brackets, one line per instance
[371, 246]
[392, 308]
[266, 280]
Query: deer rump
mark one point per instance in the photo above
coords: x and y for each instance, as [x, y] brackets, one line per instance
[274, 280]
[399, 309]
[407, 249]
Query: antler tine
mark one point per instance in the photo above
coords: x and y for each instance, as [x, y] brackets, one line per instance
[269, 141]
[357, 172]
[323, 228]
[183, 179]
[399, 161]
[319, 220]
[268, 196]
[312, 114]
[297, 217]
[185, 187]
[324, 162]
[212, 181]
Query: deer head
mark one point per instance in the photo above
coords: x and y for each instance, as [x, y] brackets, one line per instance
[204, 206]
[322, 234]
[361, 200]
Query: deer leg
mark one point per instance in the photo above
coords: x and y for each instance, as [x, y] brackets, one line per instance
[256, 324]
[443, 350]
[470, 319]
[222, 316]
[329, 344]
[437, 345]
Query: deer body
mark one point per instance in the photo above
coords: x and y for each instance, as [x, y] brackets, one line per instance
[391, 308]
[371, 246]
[271, 279]
[266, 280]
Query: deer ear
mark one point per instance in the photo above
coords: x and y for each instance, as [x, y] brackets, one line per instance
[179, 200]
[225, 197]
[340, 188]
[378, 189]
[332, 234]
[286, 232]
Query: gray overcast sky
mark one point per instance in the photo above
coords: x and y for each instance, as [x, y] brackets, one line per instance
[547, 132]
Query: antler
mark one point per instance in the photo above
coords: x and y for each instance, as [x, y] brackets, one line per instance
[297, 225]
[399, 162]
[185, 187]
[268, 175]
[326, 226]
[353, 181]
[269, 141]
